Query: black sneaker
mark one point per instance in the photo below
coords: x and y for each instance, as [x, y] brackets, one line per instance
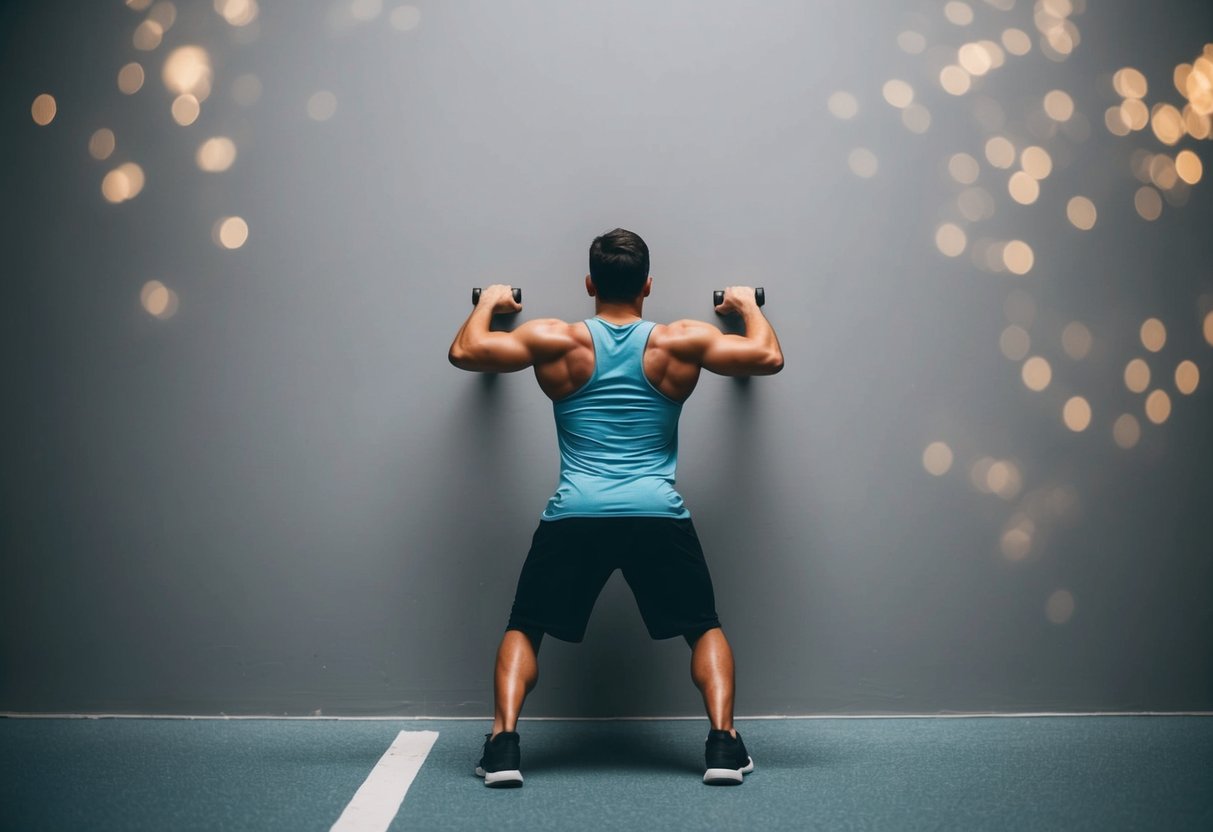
[726, 759]
[499, 765]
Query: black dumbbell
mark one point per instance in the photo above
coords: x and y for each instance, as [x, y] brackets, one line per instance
[759, 295]
[476, 295]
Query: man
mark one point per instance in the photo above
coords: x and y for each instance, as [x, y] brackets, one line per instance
[617, 383]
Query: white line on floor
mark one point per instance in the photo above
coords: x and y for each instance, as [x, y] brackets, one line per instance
[378, 799]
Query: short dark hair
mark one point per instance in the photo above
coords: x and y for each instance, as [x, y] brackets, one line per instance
[619, 265]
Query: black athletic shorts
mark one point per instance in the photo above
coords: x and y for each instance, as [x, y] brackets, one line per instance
[570, 560]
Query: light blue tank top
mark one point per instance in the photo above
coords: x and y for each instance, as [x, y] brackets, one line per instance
[618, 435]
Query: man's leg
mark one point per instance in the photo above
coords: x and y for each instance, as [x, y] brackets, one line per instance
[712, 672]
[515, 676]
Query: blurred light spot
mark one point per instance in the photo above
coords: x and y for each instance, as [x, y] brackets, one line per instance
[1060, 607]
[1129, 83]
[43, 109]
[1153, 334]
[321, 106]
[1081, 213]
[185, 110]
[1076, 414]
[122, 183]
[1019, 308]
[237, 12]
[1014, 342]
[164, 13]
[955, 80]
[1133, 114]
[366, 9]
[1016, 41]
[916, 118]
[1161, 171]
[1187, 377]
[975, 204]
[1208, 328]
[1139, 163]
[1059, 105]
[1126, 430]
[1168, 124]
[1036, 162]
[963, 168]
[246, 89]
[1024, 189]
[959, 13]
[862, 162]
[406, 18]
[101, 143]
[216, 155]
[1001, 5]
[1158, 407]
[897, 92]
[130, 78]
[911, 42]
[159, 300]
[937, 458]
[1148, 203]
[1198, 124]
[1003, 478]
[843, 105]
[138, 5]
[1018, 257]
[1114, 120]
[230, 232]
[979, 474]
[1036, 373]
[1016, 543]
[1137, 375]
[188, 70]
[974, 58]
[148, 35]
[1000, 152]
[1188, 167]
[1076, 340]
[950, 239]
[997, 56]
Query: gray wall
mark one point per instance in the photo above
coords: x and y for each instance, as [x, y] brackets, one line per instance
[283, 500]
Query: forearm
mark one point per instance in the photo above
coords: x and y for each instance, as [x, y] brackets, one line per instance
[759, 331]
[470, 338]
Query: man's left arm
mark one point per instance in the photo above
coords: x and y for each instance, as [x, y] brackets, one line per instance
[479, 349]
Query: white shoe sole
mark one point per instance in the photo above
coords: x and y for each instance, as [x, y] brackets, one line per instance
[728, 776]
[500, 779]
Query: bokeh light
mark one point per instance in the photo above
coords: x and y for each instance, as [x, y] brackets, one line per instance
[1187, 377]
[1129, 83]
[101, 144]
[1188, 167]
[916, 118]
[897, 93]
[955, 80]
[405, 18]
[185, 110]
[843, 105]
[1018, 257]
[122, 183]
[1076, 413]
[963, 168]
[1158, 406]
[1208, 328]
[1076, 340]
[187, 70]
[1126, 431]
[1058, 105]
[1036, 373]
[957, 12]
[862, 162]
[148, 35]
[1023, 188]
[321, 106]
[158, 300]
[1036, 162]
[1081, 213]
[130, 78]
[1000, 152]
[1148, 203]
[43, 109]
[1060, 607]
[237, 12]
[1016, 41]
[950, 239]
[1137, 375]
[911, 42]
[1014, 342]
[216, 154]
[937, 458]
[1153, 334]
[230, 232]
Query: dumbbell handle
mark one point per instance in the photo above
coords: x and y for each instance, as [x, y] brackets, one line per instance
[476, 295]
[760, 296]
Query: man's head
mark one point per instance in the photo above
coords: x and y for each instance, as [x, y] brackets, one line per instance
[619, 265]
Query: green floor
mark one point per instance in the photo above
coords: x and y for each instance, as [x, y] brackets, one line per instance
[1104, 773]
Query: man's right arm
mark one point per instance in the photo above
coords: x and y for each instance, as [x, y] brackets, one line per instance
[757, 353]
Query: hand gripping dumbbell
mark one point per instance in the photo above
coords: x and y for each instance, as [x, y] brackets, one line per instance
[476, 295]
[760, 296]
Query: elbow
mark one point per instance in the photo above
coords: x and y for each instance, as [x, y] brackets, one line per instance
[459, 357]
[773, 363]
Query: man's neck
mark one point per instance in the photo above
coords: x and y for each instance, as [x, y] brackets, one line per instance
[619, 312]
